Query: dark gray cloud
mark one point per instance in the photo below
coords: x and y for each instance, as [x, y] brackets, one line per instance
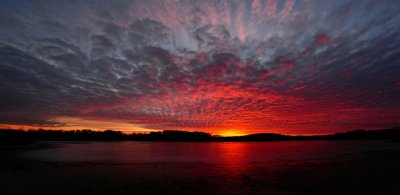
[256, 65]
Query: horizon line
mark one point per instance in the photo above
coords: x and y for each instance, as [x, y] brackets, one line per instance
[172, 130]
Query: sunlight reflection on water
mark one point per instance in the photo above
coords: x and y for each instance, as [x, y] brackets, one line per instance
[213, 152]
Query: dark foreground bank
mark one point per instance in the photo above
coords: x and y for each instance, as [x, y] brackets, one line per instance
[374, 172]
[21, 136]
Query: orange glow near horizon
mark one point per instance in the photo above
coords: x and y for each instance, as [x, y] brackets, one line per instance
[231, 133]
[79, 124]
[222, 67]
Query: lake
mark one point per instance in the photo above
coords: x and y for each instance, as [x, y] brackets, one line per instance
[130, 167]
[202, 152]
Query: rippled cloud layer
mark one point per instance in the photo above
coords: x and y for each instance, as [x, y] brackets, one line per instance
[292, 66]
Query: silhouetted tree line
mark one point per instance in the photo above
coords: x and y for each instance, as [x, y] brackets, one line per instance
[108, 135]
[21, 136]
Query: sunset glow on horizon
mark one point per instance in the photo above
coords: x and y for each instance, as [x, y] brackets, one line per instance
[226, 67]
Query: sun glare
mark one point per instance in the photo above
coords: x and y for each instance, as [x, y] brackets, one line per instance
[231, 133]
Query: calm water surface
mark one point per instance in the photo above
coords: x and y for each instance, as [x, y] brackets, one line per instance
[219, 152]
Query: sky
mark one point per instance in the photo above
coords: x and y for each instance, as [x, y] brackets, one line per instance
[226, 67]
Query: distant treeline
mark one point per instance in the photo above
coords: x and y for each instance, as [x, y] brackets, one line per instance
[18, 136]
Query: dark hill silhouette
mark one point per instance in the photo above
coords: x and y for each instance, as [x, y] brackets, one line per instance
[10, 136]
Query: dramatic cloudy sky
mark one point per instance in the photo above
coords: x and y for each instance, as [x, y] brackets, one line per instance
[221, 66]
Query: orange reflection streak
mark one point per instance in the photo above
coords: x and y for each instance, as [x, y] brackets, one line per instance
[235, 158]
[233, 153]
